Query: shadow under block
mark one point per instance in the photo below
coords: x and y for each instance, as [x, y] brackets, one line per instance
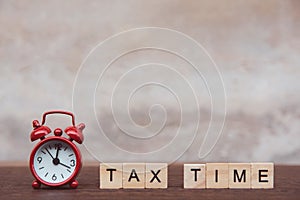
[262, 175]
[239, 175]
[133, 175]
[217, 175]
[194, 176]
[156, 175]
[111, 175]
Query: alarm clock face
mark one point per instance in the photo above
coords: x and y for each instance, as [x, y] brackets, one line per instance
[55, 161]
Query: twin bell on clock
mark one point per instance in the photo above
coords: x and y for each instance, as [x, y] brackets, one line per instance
[55, 160]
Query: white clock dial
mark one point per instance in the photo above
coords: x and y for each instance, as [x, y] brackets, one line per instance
[55, 161]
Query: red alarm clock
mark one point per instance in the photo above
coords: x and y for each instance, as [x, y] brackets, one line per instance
[55, 160]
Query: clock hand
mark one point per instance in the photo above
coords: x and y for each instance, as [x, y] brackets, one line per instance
[65, 165]
[57, 152]
[49, 153]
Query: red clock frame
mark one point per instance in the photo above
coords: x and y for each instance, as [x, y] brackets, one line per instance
[71, 180]
[75, 134]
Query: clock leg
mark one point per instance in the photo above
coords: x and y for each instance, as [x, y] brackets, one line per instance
[74, 184]
[36, 184]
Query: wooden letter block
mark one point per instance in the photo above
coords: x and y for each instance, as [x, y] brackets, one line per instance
[111, 175]
[194, 176]
[239, 175]
[262, 175]
[156, 175]
[133, 175]
[217, 175]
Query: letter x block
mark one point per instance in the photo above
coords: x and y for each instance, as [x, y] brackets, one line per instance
[156, 175]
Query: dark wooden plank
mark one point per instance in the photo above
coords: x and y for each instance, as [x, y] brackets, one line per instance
[16, 184]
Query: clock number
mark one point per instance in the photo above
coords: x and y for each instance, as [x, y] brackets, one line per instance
[72, 163]
[39, 159]
[58, 145]
[54, 177]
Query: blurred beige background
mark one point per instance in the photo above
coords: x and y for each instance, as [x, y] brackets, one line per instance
[256, 45]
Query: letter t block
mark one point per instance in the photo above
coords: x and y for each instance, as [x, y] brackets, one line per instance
[194, 176]
[110, 175]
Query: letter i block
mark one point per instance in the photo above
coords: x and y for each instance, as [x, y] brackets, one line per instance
[262, 175]
[239, 175]
[156, 175]
[217, 175]
[194, 176]
[133, 175]
[110, 175]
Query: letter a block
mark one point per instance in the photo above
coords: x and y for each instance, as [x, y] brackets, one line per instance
[110, 175]
[156, 175]
[133, 175]
[240, 175]
[194, 175]
[262, 175]
[217, 175]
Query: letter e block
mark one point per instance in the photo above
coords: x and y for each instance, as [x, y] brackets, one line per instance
[262, 175]
[239, 175]
[110, 175]
[156, 175]
[217, 175]
[133, 175]
[194, 176]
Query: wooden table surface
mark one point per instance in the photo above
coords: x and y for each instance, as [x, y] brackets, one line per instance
[16, 184]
